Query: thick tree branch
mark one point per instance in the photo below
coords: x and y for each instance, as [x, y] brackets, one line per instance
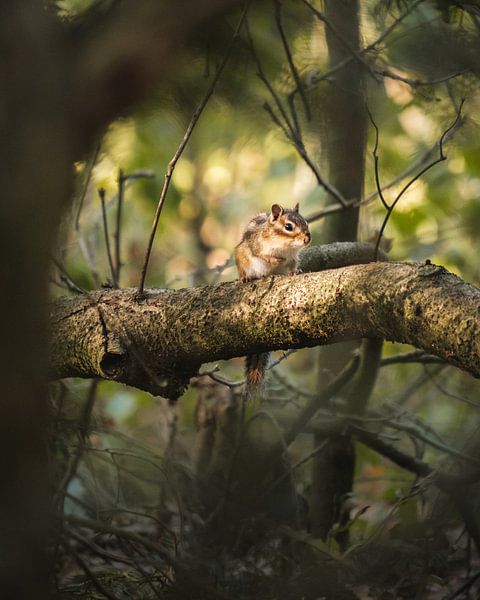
[158, 342]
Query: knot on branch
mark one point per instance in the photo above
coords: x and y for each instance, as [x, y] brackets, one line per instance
[134, 367]
[112, 364]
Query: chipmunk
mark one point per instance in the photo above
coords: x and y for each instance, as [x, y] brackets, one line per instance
[269, 246]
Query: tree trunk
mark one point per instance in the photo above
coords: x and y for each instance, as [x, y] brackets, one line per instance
[343, 137]
[59, 86]
[35, 167]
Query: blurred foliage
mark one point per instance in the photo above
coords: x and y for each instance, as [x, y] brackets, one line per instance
[236, 164]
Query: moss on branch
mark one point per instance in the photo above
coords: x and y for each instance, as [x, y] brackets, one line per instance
[156, 343]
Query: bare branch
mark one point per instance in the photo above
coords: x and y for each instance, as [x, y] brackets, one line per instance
[415, 84]
[457, 121]
[346, 61]
[453, 486]
[336, 208]
[416, 356]
[101, 193]
[83, 432]
[375, 156]
[97, 584]
[291, 63]
[66, 279]
[118, 225]
[290, 130]
[355, 54]
[173, 162]
[156, 549]
[319, 402]
[95, 548]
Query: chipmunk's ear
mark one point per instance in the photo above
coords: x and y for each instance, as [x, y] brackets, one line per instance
[277, 211]
[296, 208]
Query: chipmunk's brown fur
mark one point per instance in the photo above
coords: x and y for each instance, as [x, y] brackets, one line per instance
[269, 246]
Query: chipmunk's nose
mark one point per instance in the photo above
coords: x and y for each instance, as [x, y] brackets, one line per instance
[306, 239]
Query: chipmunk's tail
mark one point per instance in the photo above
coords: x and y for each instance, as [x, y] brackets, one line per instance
[255, 367]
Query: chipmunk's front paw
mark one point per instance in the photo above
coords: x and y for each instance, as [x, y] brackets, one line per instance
[295, 272]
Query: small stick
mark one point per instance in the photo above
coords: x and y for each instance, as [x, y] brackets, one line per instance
[293, 69]
[346, 61]
[66, 279]
[82, 432]
[173, 162]
[101, 193]
[440, 159]
[355, 54]
[336, 208]
[375, 156]
[321, 399]
[118, 226]
[290, 130]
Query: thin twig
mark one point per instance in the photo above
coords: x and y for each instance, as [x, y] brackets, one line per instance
[289, 129]
[415, 432]
[416, 356]
[83, 432]
[88, 572]
[277, 121]
[88, 175]
[172, 164]
[415, 84]
[140, 174]
[290, 387]
[346, 61]
[291, 63]
[67, 280]
[103, 527]
[64, 285]
[452, 485]
[357, 55]
[222, 381]
[101, 193]
[108, 556]
[118, 226]
[264, 79]
[324, 396]
[410, 8]
[147, 576]
[449, 394]
[281, 358]
[375, 157]
[289, 472]
[438, 160]
[336, 208]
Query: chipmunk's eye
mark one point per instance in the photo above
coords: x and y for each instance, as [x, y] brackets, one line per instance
[289, 226]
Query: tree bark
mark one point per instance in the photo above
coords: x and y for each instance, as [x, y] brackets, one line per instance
[35, 170]
[156, 343]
